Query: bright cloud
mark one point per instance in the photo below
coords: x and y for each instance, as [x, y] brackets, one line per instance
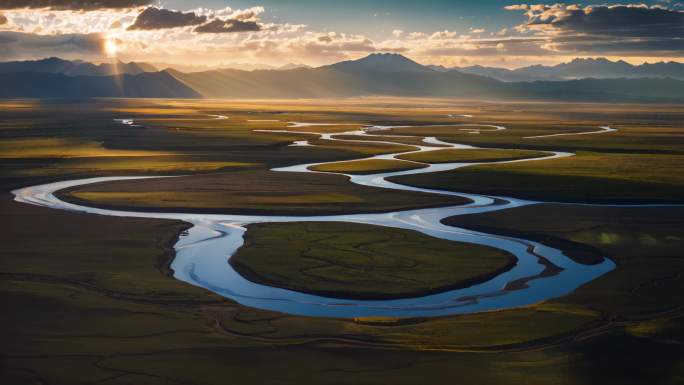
[623, 29]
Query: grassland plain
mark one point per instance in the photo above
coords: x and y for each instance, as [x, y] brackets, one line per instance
[638, 163]
[362, 261]
[54, 139]
[253, 192]
[89, 299]
[409, 140]
[368, 166]
[470, 156]
[633, 237]
[623, 166]
[588, 177]
[70, 327]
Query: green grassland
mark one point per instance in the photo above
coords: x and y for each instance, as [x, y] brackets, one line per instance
[180, 133]
[635, 164]
[588, 177]
[369, 166]
[646, 244]
[253, 192]
[51, 139]
[409, 140]
[89, 299]
[470, 156]
[72, 322]
[362, 261]
[367, 148]
[651, 129]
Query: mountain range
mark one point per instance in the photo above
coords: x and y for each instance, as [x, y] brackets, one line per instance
[235, 66]
[55, 85]
[373, 75]
[76, 68]
[599, 68]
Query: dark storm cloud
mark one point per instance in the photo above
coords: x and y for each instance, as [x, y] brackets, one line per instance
[646, 46]
[621, 21]
[603, 28]
[18, 45]
[159, 18]
[228, 26]
[87, 5]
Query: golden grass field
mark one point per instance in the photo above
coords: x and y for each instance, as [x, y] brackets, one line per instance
[369, 166]
[471, 156]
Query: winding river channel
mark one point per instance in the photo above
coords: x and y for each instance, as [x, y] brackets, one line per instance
[541, 272]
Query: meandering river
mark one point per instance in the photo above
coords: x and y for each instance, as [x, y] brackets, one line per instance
[541, 272]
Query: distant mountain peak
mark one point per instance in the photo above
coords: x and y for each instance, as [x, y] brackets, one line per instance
[386, 54]
[589, 60]
[386, 62]
[293, 66]
[75, 67]
[580, 68]
[388, 58]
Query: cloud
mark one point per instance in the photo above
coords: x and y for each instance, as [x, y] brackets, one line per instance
[228, 26]
[50, 22]
[249, 14]
[332, 42]
[18, 45]
[486, 48]
[158, 18]
[616, 21]
[634, 28]
[440, 35]
[210, 36]
[241, 20]
[282, 28]
[517, 7]
[312, 47]
[77, 5]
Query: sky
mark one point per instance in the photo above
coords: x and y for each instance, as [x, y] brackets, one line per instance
[214, 33]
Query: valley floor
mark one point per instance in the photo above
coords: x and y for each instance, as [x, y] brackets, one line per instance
[92, 299]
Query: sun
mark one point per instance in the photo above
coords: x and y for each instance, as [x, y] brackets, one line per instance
[110, 47]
